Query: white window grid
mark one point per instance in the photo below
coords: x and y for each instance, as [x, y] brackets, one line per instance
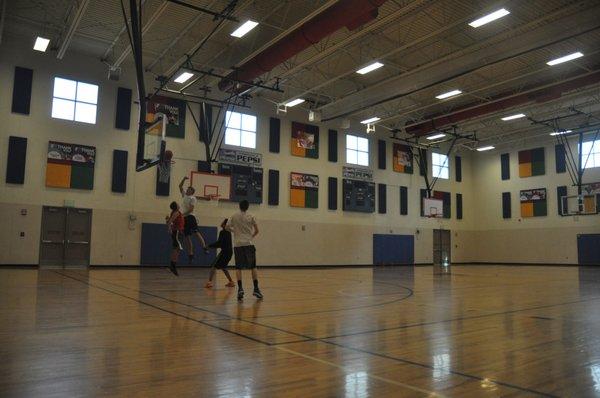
[590, 152]
[357, 150]
[439, 166]
[240, 130]
[74, 100]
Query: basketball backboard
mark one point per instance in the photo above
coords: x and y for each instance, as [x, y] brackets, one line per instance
[433, 207]
[209, 184]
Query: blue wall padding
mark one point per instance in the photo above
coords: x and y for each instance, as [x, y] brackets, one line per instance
[156, 246]
[393, 249]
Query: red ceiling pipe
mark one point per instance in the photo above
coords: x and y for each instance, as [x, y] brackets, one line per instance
[540, 95]
[346, 13]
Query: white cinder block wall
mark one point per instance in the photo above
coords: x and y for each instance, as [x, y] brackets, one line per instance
[328, 237]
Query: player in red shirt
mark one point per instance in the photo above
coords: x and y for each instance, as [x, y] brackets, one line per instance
[175, 226]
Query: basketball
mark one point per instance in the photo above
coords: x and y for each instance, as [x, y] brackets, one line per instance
[168, 155]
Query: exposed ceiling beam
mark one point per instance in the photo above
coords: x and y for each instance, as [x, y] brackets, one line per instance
[72, 28]
[531, 36]
[145, 29]
[117, 37]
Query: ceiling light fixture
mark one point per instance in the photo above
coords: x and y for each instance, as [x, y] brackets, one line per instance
[369, 68]
[513, 117]
[561, 132]
[294, 102]
[448, 94]
[371, 120]
[566, 58]
[485, 148]
[41, 44]
[244, 29]
[489, 18]
[436, 136]
[183, 77]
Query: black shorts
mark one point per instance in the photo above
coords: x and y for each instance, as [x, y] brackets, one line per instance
[175, 241]
[190, 225]
[222, 260]
[245, 257]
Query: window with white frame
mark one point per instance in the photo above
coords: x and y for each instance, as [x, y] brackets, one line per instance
[439, 166]
[240, 130]
[73, 100]
[590, 152]
[357, 150]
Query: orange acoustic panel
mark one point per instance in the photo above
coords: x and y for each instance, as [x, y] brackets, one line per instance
[58, 175]
[297, 198]
[297, 150]
[524, 169]
[527, 209]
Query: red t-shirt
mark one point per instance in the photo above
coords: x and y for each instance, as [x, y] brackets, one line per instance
[177, 221]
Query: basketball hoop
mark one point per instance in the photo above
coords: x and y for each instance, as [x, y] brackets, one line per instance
[212, 200]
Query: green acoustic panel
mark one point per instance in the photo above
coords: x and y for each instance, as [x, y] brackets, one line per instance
[540, 208]
[538, 168]
[82, 177]
[537, 155]
[312, 199]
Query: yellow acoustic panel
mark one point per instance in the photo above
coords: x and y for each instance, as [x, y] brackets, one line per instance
[527, 209]
[524, 169]
[58, 175]
[297, 197]
[297, 150]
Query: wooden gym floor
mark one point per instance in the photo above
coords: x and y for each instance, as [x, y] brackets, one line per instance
[346, 332]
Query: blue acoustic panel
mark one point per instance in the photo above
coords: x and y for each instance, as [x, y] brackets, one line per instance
[123, 113]
[15, 160]
[561, 159]
[393, 249]
[506, 210]
[381, 152]
[458, 168]
[588, 249]
[505, 166]
[156, 246]
[403, 201]
[382, 198]
[332, 142]
[21, 99]
[274, 134]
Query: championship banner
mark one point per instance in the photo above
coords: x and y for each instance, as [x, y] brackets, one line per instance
[402, 159]
[243, 158]
[70, 166]
[533, 202]
[175, 111]
[305, 140]
[304, 190]
[356, 173]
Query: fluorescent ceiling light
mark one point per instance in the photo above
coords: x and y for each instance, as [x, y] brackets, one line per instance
[448, 94]
[436, 136]
[184, 77]
[41, 44]
[561, 132]
[369, 68]
[371, 120]
[566, 58]
[489, 18]
[485, 148]
[245, 28]
[513, 117]
[294, 102]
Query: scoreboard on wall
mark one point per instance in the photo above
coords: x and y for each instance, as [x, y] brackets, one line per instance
[246, 182]
[358, 196]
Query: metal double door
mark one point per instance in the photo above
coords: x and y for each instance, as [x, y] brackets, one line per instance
[65, 237]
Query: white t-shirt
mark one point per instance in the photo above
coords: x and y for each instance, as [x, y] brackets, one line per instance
[242, 225]
[188, 202]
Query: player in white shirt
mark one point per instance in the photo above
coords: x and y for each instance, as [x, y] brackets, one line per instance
[244, 229]
[191, 224]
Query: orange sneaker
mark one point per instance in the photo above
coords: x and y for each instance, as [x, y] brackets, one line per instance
[230, 284]
[208, 285]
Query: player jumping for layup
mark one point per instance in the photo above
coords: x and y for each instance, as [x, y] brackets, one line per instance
[191, 224]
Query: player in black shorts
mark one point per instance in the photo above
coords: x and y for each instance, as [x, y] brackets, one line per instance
[224, 256]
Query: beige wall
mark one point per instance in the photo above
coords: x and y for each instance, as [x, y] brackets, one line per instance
[329, 237]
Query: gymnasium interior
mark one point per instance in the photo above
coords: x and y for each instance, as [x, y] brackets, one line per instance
[424, 174]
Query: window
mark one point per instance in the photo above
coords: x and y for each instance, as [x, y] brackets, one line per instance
[357, 150]
[72, 100]
[439, 165]
[240, 130]
[590, 151]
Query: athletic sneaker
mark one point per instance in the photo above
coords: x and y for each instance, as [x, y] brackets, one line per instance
[230, 284]
[173, 269]
[240, 294]
[208, 285]
[257, 294]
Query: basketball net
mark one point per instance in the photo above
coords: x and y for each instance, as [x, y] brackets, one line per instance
[164, 171]
[212, 200]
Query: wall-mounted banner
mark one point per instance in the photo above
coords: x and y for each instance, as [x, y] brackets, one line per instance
[357, 173]
[175, 111]
[243, 158]
[403, 159]
[305, 140]
[533, 202]
[304, 190]
[70, 165]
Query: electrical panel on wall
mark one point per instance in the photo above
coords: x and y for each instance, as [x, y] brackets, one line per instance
[246, 182]
[359, 196]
